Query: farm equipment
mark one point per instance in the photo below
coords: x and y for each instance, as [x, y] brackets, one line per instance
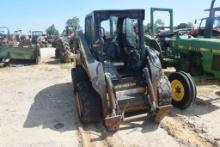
[17, 48]
[35, 35]
[209, 27]
[66, 47]
[119, 79]
[4, 35]
[38, 37]
[195, 55]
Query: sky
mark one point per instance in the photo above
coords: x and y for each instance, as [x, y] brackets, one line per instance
[39, 14]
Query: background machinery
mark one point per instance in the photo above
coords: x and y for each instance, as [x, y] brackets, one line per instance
[38, 37]
[35, 35]
[18, 47]
[66, 47]
[118, 78]
[208, 27]
[196, 55]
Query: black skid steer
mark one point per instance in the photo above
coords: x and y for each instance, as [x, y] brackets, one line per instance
[118, 77]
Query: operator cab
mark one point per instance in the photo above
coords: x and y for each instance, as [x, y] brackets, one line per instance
[35, 35]
[209, 27]
[118, 42]
[215, 27]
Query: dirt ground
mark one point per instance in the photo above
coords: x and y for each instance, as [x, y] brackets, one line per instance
[37, 109]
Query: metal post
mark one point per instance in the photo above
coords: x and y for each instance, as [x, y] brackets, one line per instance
[152, 10]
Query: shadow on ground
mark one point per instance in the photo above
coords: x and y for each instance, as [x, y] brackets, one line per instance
[206, 80]
[198, 108]
[18, 63]
[206, 105]
[54, 62]
[53, 108]
[147, 125]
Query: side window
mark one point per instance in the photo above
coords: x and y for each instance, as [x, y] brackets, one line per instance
[88, 29]
[130, 31]
[109, 27]
[203, 23]
[216, 24]
[114, 21]
[105, 29]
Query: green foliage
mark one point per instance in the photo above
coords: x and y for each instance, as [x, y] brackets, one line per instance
[72, 24]
[159, 23]
[184, 25]
[52, 31]
[190, 24]
[147, 28]
[66, 66]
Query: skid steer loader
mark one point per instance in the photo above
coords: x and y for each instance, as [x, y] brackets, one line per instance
[118, 78]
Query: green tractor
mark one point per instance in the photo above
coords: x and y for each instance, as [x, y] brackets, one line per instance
[17, 48]
[195, 54]
[118, 77]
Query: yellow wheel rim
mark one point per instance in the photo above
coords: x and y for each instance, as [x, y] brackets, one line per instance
[177, 90]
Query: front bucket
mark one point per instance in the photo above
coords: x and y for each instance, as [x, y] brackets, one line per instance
[113, 123]
[162, 112]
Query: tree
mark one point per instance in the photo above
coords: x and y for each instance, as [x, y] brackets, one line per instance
[147, 28]
[159, 23]
[72, 24]
[184, 25]
[52, 31]
[190, 24]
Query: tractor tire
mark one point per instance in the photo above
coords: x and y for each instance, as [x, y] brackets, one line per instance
[88, 102]
[56, 44]
[193, 84]
[183, 90]
[164, 99]
[65, 51]
[37, 60]
[57, 54]
[66, 45]
[164, 91]
[37, 55]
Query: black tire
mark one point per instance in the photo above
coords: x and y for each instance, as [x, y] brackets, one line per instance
[57, 54]
[88, 102]
[38, 55]
[37, 60]
[66, 45]
[185, 90]
[164, 88]
[60, 46]
[55, 44]
[193, 84]
[65, 49]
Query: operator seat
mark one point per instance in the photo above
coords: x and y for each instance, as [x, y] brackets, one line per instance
[111, 50]
[132, 55]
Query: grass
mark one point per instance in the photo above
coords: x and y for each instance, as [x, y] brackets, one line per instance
[66, 66]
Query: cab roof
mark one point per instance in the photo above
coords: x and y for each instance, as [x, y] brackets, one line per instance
[132, 13]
